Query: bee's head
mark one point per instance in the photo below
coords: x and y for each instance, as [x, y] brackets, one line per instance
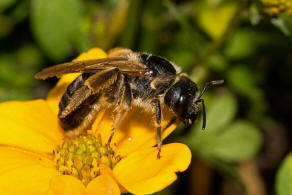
[183, 98]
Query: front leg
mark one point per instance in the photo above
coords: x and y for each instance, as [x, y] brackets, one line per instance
[158, 125]
[125, 102]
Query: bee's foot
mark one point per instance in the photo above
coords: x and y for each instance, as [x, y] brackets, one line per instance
[158, 154]
[108, 142]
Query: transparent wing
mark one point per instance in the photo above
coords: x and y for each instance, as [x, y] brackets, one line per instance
[92, 66]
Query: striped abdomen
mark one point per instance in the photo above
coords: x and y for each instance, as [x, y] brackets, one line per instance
[76, 118]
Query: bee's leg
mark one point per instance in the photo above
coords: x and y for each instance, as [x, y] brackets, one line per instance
[125, 101]
[158, 125]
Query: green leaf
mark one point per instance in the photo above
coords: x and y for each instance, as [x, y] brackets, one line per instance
[284, 177]
[20, 11]
[247, 43]
[242, 80]
[132, 21]
[230, 142]
[7, 94]
[222, 14]
[56, 25]
[220, 112]
[254, 15]
[29, 56]
[238, 142]
[5, 3]
[7, 25]
[281, 25]
[217, 62]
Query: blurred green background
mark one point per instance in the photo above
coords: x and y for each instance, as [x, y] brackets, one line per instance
[245, 147]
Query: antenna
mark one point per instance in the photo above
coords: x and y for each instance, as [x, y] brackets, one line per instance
[207, 85]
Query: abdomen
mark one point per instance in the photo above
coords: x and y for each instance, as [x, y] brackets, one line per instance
[77, 119]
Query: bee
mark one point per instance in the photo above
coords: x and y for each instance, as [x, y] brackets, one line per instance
[125, 79]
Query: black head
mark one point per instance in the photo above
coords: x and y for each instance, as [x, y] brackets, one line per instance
[183, 98]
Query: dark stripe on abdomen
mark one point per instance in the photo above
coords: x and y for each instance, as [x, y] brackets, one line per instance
[75, 118]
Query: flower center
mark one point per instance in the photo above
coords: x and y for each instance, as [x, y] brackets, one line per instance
[81, 157]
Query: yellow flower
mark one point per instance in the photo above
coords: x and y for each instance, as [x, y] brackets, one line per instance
[277, 6]
[36, 158]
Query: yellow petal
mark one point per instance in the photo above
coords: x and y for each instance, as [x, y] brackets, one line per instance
[14, 158]
[105, 170]
[57, 92]
[142, 173]
[23, 172]
[94, 53]
[136, 131]
[103, 184]
[67, 185]
[31, 125]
